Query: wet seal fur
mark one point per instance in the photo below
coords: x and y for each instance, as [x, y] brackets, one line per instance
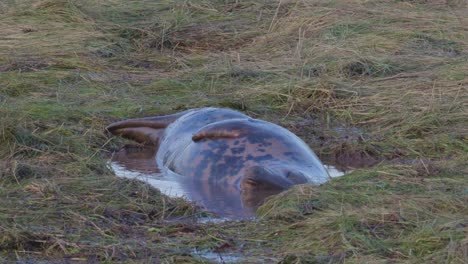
[227, 149]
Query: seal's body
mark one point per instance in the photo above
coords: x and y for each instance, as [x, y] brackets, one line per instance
[226, 148]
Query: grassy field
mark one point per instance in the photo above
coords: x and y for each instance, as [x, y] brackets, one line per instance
[381, 86]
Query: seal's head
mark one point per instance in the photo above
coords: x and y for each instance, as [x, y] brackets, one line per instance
[260, 182]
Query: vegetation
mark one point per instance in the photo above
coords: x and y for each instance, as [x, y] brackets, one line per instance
[378, 85]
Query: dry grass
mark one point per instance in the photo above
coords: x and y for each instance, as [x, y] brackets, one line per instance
[380, 83]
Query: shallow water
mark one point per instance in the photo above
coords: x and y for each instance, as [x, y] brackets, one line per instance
[335, 172]
[218, 257]
[139, 163]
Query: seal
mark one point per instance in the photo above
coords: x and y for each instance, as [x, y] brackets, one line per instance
[228, 150]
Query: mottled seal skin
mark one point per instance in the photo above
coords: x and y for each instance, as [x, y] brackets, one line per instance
[227, 149]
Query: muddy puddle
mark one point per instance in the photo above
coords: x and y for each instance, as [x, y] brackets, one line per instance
[135, 162]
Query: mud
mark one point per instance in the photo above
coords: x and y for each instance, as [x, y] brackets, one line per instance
[336, 143]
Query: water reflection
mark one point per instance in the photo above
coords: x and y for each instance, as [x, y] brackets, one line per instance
[334, 172]
[218, 257]
[135, 162]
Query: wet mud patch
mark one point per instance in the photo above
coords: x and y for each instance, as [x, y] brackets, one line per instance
[137, 162]
[346, 147]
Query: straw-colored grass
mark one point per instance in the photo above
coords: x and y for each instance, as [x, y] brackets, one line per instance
[379, 84]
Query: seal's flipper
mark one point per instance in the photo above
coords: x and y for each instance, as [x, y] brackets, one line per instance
[145, 130]
[222, 129]
[144, 135]
[152, 122]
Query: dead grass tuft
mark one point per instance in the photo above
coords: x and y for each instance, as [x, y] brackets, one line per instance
[25, 65]
[33, 242]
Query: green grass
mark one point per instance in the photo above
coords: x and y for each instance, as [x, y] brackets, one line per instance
[381, 83]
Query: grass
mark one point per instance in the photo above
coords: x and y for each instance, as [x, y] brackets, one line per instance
[380, 86]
